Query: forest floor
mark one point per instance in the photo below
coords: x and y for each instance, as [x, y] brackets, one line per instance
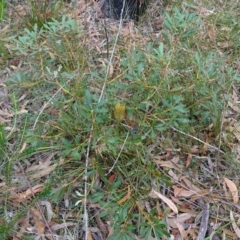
[113, 129]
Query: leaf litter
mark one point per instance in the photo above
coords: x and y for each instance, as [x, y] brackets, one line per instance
[189, 190]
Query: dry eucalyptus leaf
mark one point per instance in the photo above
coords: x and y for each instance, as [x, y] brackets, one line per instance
[233, 189]
[180, 219]
[234, 225]
[155, 194]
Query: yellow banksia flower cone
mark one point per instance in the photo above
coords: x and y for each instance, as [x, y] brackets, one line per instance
[119, 111]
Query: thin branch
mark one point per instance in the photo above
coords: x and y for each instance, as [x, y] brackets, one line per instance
[45, 105]
[111, 57]
[119, 154]
[85, 214]
[205, 221]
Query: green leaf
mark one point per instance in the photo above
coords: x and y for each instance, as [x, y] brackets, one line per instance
[168, 22]
[3, 141]
[96, 197]
[161, 127]
[88, 99]
[76, 155]
[57, 194]
[122, 213]
[2, 8]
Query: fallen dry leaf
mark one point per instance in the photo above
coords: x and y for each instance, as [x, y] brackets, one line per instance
[112, 178]
[89, 235]
[23, 147]
[42, 163]
[45, 171]
[21, 197]
[173, 175]
[6, 113]
[50, 214]
[181, 192]
[234, 225]
[181, 230]
[168, 164]
[211, 32]
[102, 226]
[204, 222]
[189, 160]
[162, 157]
[181, 218]
[39, 223]
[64, 225]
[190, 185]
[228, 232]
[194, 150]
[204, 11]
[4, 30]
[125, 198]
[233, 189]
[236, 130]
[192, 233]
[155, 194]
[234, 105]
[226, 192]
[200, 194]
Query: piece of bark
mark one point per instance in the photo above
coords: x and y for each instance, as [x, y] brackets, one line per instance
[204, 223]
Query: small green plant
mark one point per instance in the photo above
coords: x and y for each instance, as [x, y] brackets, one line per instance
[42, 12]
[2, 9]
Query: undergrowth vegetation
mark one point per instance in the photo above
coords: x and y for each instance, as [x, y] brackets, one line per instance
[84, 131]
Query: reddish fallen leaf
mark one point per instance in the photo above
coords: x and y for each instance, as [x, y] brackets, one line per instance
[192, 233]
[45, 15]
[112, 178]
[189, 160]
[211, 32]
[89, 235]
[210, 134]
